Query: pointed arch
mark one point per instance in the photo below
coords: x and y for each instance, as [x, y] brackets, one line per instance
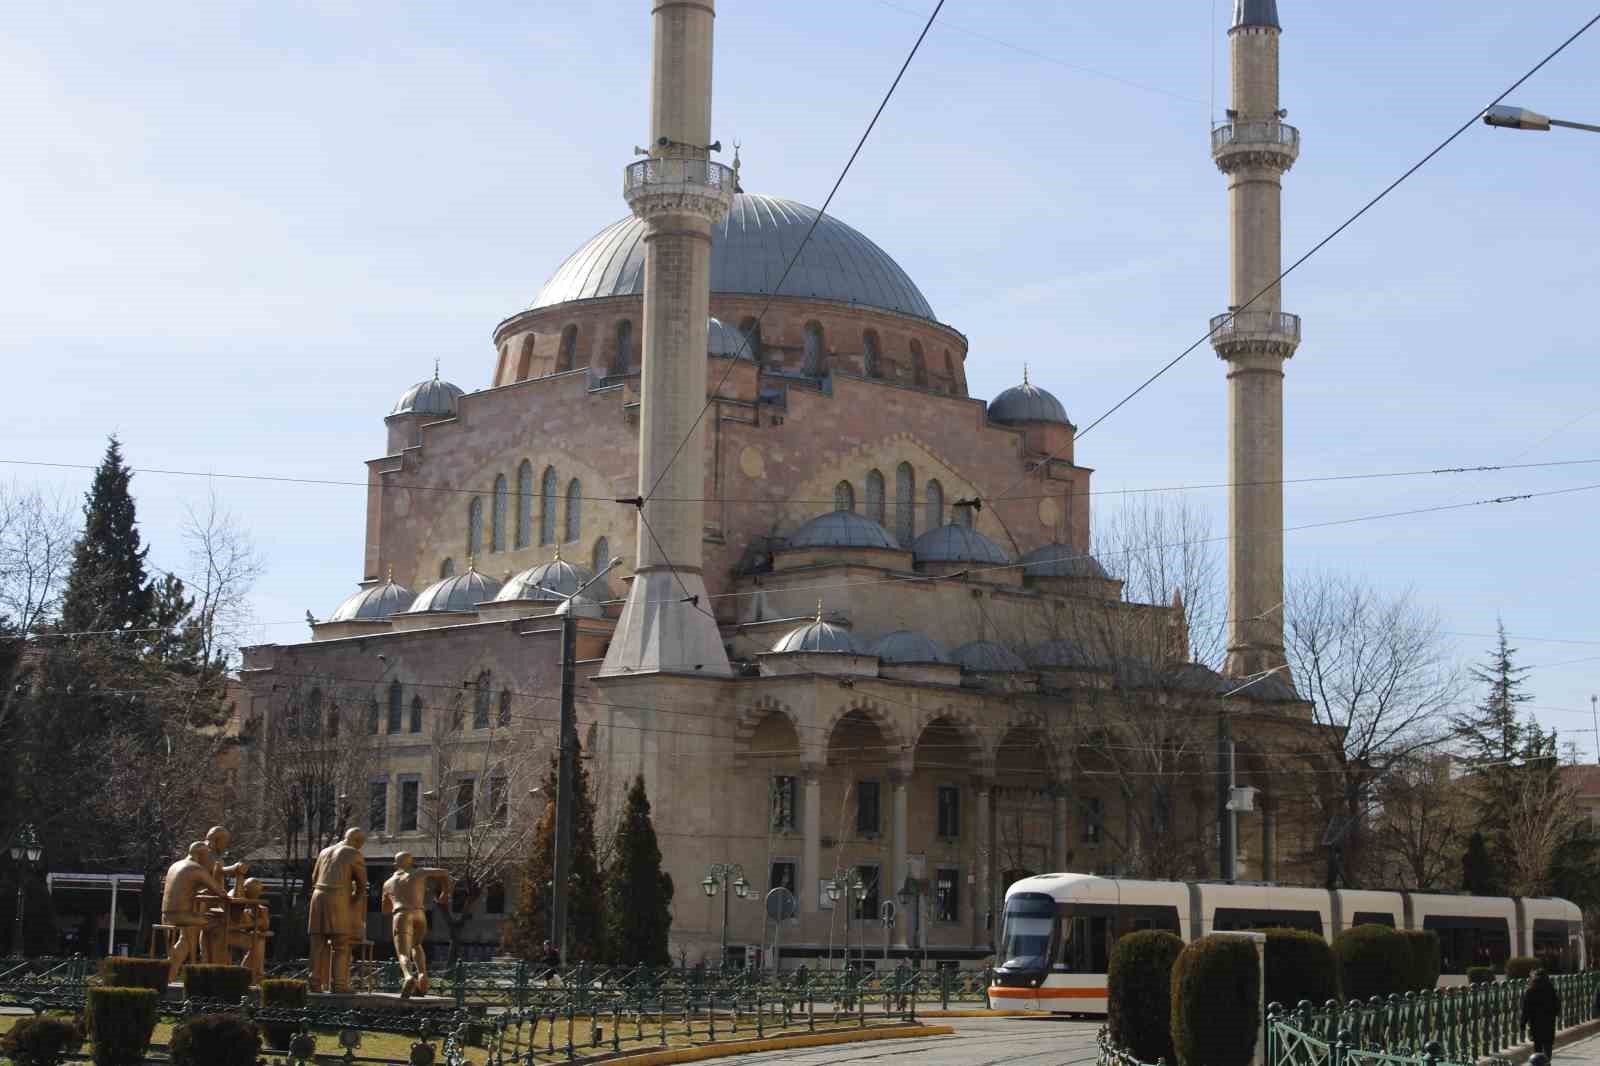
[447, 569]
[875, 494]
[497, 514]
[956, 388]
[870, 354]
[574, 510]
[525, 359]
[474, 527]
[524, 504]
[396, 707]
[934, 492]
[815, 352]
[600, 556]
[750, 328]
[905, 504]
[566, 355]
[622, 358]
[919, 366]
[415, 724]
[844, 497]
[547, 506]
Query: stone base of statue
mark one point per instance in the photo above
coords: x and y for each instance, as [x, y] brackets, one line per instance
[376, 1001]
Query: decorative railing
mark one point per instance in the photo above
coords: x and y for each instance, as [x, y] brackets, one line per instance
[1254, 135]
[1249, 323]
[648, 174]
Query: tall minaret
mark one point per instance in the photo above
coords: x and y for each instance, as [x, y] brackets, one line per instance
[680, 194]
[1254, 148]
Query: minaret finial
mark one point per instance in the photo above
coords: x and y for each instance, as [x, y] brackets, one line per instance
[1024, 374]
[471, 561]
[436, 368]
[819, 608]
[557, 559]
[390, 578]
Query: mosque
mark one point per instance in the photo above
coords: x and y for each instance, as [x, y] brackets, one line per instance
[856, 632]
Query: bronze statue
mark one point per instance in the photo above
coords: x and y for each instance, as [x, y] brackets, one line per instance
[180, 904]
[406, 895]
[215, 940]
[249, 935]
[338, 910]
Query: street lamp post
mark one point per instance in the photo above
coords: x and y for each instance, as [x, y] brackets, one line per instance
[1520, 118]
[853, 889]
[910, 895]
[721, 876]
[25, 847]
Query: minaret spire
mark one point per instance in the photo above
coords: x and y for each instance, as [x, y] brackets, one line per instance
[1254, 149]
[680, 194]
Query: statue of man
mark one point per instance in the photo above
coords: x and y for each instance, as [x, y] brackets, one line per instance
[338, 910]
[214, 941]
[180, 906]
[249, 936]
[406, 894]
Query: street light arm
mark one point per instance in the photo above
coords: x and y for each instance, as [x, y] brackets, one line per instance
[1520, 118]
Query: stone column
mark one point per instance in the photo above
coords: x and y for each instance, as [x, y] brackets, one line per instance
[984, 862]
[899, 867]
[811, 826]
[1060, 820]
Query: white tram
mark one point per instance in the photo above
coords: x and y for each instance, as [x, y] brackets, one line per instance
[1057, 929]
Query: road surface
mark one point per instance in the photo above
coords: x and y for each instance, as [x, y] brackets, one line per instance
[978, 1042]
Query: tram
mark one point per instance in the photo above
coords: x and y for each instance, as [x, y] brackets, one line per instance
[1057, 929]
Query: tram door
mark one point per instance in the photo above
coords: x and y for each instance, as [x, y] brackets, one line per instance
[1088, 944]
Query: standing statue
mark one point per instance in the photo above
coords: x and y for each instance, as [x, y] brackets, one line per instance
[249, 934]
[406, 895]
[338, 910]
[181, 907]
[214, 942]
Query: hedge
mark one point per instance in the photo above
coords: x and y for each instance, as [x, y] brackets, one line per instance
[1216, 1009]
[225, 983]
[282, 993]
[1374, 960]
[1300, 966]
[42, 1041]
[1520, 966]
[1139, 993]
[134, 972]
[216, 1040]
[122, 1020]
[1424, 947]
[1480, 975]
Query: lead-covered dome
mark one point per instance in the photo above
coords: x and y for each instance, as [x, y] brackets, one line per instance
[841, 529]
[1025, 403]
[1061, 560]
[987, 657]
[552, 581]
[818, 635]
[749, 251]
[909, 646]
[374, 603]
[431, 397]
[1066, 653]
[461, 593]
[957, 544]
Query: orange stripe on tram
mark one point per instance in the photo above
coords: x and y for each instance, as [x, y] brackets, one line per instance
[1001, 992]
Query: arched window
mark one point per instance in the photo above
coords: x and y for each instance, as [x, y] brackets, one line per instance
[751, 329]
[875, 505]
[574, 510]
[505, 708]
[474, 527]
[311, 721]
[547, 506]
[374, 716]
[482, 694]
[622, 358]
[567, 354]
[600, 556]
[497, 513]
[415, 725]
[815, 354]
[962, 516]
[525, 360]
[844, 497]
[919, 366]
[396, 705]
[524, 504]
[333, 720]
[447, 569]
[869, 354]
[905, 504]
[935, 494]
[950, 372]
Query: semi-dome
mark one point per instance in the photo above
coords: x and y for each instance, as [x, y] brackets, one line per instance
[553, 581]
[1066, 653]
[957, 544]
[749, 251]
[987, 657]
[431, 397]
[1026, 403]
[909, 646]
[463, 592]
[841, 529]
[1061, 560]
[374, 603]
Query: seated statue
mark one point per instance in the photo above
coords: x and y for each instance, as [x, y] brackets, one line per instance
[248, 936]
[406, 894]
[216, 939]
[180, 905]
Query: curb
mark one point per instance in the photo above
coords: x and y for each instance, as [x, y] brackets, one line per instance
[778, 1043]
[1523, 1052]
[979, 1012]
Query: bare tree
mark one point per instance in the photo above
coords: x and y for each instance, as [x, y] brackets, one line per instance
[1544, 816]
[224, 566]
[1419, 826]
[1162, 550]
[1381, 682]
[36, 535]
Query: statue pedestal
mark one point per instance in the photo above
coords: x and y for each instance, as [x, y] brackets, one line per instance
[321, 1001]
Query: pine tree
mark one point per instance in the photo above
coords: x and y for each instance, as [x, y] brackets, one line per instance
[107, 587]
[529, 927]
[1478, 875]
[1496, 745]
[638, 891]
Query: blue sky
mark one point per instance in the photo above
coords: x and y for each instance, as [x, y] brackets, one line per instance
[236, 232]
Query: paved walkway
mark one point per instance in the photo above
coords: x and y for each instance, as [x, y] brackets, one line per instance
[978, 1042]
[1585, 1052]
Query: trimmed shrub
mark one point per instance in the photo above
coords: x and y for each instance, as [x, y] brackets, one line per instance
[134, 972]
[1216, 1010]
[42, 1041]
[216, 1040]
[1139, 993]
[1424, 947]
[229, 984]
[282, 993]
[1480, 975]
[1374, 960]
[1300, 965]
[1520, 966]
[122, 1020]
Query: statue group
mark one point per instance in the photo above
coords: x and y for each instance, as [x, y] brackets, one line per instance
[207, 922]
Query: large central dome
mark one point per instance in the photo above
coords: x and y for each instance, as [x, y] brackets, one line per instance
[748, 253]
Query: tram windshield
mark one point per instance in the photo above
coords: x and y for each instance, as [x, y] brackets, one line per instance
[1029, 930]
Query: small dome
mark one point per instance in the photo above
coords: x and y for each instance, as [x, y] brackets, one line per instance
[1061, 560]
[987, 657]
[726, 341]
[841, 529]
[957, 544]
[1057, 653]
[374, 603]
[461, 593]
[552, 581]
[431, 397]
[1026, 403]
[817, 635]
[909, 646]
[1199, 678]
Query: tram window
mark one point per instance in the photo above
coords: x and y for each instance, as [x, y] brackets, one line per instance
[1131, 919]
[1242, 918]
[1029, 927]
[1086, 942]
[1552, 945]
[1373, 918]
[1469, 941]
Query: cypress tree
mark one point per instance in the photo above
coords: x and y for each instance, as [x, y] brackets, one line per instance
[1496, 745]
[1478, 875]
[107, 587]
[529, 927]
[638, 891]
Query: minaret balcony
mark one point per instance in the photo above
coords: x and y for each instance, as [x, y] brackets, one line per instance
[1271, 143]
[1255, 332]
[675, 185]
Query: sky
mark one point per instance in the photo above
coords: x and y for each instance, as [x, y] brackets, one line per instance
[235, 232]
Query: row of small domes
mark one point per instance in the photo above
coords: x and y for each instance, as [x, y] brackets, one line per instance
[550, 582]
[952, 543]
[910, 646]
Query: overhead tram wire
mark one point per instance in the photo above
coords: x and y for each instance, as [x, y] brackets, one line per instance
[744, 344]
